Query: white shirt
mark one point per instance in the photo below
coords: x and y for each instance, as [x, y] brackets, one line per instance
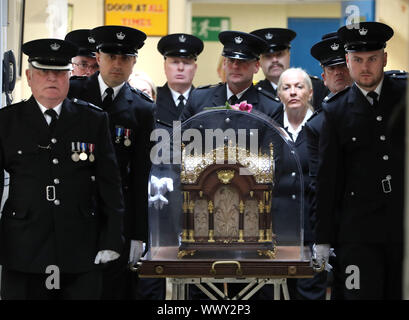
[290, 129]
[103, 87]
[229, 93]
[43, 109]
[377, 90]
[274, 85]
[176, 95]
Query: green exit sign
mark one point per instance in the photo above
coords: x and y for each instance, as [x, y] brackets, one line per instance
[208, 28]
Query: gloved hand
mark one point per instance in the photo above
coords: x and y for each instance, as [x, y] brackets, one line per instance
[320, 257]
[135, 252]
[157, 189]
[105, 256]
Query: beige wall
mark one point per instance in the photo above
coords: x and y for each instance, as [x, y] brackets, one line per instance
[89, 14]
[395, 13]
[248, 18]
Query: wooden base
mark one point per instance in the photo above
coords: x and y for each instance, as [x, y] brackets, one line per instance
[164, 263]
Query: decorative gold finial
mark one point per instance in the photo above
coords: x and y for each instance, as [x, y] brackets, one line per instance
[225, 176]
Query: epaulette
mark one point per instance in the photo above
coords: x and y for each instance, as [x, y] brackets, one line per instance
[333, 96]
[328, 97]
[209, 86]
[78, 78]
[397, 74]
[316, 112]
[314, 77]
[268, 94]
[86, 104]
[142, 94]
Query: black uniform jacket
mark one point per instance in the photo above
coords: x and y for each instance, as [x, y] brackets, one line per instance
[215, 96]
[320, 91]
[286, 203]
[312, 131]
[166, 110]
[131, 109]
[58, 212]
[355, 182]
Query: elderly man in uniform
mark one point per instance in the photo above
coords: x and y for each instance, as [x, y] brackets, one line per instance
[84, 63]
[330, 53]
[131, 118]
[355, 183]
[64, 211]
[276, 59]
[241, 51]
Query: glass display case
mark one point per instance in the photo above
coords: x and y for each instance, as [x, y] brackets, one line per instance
[237, 197]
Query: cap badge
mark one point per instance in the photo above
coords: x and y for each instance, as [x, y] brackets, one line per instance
[363, 31]
[120, 35]
[182, 38]
[55, 46]
[269, 36]
[91, 40]
[238, 40]
[335, 46]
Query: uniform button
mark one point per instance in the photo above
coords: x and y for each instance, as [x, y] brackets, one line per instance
[20, 152]
[353, 139]
[13, 213]
[385, 157]
[92, 213]
[292, 152]
[54, 140]
[379, 118]
[55, 161]
[92, 178]
[293, 197]
[56, 181]
[57, 202]
[352, 193]
[293, 174]
[259, 89]
[383, 138]
[389, 177]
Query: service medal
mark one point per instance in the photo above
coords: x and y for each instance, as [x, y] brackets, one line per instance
[75, 156]
[91, 154]
[83, 155]
[127, 141]
[118, 134]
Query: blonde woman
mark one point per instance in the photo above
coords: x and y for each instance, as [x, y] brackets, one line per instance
[295, 92]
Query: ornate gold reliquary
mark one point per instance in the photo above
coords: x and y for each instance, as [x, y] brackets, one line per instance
[227, 202]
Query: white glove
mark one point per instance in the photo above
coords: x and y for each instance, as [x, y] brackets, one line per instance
[157, 188]
[136, 251]
[105, 256]
[320, 257]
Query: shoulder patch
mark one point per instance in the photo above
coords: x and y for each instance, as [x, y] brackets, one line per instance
[141, 94]
[333, 96]
[209, 86]
[267, 94]
[86, 104]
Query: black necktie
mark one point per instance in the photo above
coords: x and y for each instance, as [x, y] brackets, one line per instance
[54, 117]
[181, 103]
[233, 99]
[108, 98]
[374, 96]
